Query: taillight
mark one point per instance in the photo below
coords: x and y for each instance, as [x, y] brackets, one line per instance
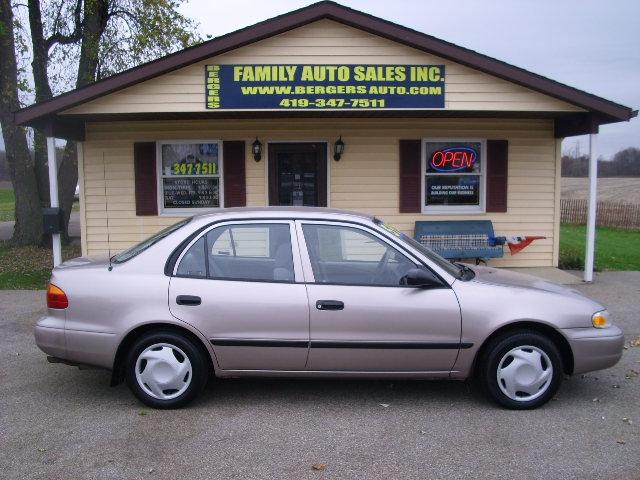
[56, 298]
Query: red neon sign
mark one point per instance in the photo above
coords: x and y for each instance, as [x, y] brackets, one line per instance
[453, 159]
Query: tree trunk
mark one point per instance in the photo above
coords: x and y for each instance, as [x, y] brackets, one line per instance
[40, 160]
[39, 66]
[28, 226]
[67, 181]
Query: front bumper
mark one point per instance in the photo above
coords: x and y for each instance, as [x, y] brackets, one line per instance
[594, 348]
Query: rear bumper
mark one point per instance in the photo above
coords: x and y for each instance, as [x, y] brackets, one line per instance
[49, 335]
[95, 349]
[593, 348]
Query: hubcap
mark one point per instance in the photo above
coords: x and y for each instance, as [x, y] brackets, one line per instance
[163, 371]
[524, 373]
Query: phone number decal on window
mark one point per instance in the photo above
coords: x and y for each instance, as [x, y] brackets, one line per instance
[206, 168]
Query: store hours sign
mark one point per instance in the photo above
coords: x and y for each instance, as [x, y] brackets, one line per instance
[331, 87]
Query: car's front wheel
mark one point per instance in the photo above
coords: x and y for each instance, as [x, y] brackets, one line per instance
[166, 369]
[521, 370]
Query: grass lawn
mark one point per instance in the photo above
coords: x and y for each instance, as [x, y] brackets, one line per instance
[615, 249]
[29, 268]
[7, 201]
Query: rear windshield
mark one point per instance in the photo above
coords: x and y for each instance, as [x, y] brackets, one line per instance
[446, 265]
[152, 240]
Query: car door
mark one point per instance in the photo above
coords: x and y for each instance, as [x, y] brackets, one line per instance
[240, 283]
[362, 318]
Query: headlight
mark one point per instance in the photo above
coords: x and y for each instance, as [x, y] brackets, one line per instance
[600, 319]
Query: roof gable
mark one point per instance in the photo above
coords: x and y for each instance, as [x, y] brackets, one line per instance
[603, 111]
[322, 42]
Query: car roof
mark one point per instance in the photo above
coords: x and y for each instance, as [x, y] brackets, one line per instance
[285, 212]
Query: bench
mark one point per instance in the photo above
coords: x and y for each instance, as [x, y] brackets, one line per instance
[460, 239]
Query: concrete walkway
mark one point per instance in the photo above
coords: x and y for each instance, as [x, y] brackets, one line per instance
[6, 228]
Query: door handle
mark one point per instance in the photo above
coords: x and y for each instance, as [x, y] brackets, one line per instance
[188, 300]
[329, 305]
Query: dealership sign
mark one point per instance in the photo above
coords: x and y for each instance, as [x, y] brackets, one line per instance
[324, 87]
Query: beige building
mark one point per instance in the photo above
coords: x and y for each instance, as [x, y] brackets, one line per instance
[431, 131]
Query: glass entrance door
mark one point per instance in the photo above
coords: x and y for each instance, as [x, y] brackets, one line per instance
[298, 174]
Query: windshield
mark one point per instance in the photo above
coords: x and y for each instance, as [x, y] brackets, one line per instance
[152, 240]
[446, 265]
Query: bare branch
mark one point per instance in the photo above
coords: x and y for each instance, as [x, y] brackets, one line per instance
[73, 37]
[124, 13]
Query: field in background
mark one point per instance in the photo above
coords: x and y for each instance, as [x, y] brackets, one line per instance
[618, 189]
[618, 202]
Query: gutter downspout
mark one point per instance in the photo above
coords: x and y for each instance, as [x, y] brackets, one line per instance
[591, 213]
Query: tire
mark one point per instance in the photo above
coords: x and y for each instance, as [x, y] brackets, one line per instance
[166, 369]
[535, 372]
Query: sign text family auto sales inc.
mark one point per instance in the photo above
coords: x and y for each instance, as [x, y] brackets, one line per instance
[276, 87]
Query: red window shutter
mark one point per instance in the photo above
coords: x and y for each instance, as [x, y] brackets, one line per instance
[146, 182]
[235, 184]
[497, 175]
[410, 176]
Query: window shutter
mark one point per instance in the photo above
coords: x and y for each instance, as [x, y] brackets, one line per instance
[497, 174]
[146, 182]
[410, 176]
[235, 184]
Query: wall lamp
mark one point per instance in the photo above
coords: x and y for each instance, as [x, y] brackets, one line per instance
[256, 149]
[338, 149]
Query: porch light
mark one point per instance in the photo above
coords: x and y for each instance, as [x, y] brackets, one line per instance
[338, 149]
[256, 148]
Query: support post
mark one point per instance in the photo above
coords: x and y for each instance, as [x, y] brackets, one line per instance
[591, 213]
[53, 196]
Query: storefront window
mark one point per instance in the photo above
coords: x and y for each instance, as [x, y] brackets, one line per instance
[453, 176]
[190, 175]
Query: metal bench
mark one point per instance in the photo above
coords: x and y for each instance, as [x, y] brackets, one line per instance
[460, 239]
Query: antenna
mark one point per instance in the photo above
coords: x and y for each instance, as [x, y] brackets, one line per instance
[106, 208]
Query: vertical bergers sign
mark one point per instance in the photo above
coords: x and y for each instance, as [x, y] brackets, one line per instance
[291, 87]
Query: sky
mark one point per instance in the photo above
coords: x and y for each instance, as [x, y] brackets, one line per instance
[593, 45]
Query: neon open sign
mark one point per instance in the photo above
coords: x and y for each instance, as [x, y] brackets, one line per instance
[453, 159]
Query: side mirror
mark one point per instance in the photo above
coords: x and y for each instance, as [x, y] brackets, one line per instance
[418, 277]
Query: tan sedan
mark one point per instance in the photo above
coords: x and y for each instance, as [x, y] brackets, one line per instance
[309, 293]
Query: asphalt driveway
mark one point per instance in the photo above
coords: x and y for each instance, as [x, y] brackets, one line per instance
[60, 422]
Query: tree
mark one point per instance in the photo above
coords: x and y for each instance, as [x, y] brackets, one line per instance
[101, 38]
[625, 163]
[28, 226]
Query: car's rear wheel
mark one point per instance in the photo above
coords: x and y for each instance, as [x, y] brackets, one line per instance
[166, 369]
[521, 370]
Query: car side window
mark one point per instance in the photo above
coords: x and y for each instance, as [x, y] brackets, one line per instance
[241, 252]
[193, 263]
[346, 255]
[259, 252]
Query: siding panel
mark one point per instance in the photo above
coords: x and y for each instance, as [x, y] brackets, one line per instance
[366, 179]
